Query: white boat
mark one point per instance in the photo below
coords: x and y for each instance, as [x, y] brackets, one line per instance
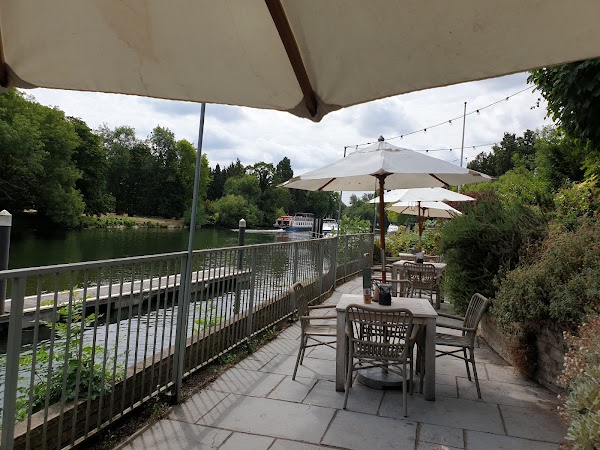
[298, 222]
[392, 228]
[330, 226]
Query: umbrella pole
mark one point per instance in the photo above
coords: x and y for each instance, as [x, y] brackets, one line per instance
[420, 221]
[381, 225]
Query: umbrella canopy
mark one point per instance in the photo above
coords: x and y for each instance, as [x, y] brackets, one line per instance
[390, 167]
[307, 57]
[425, 209]
[438, 210]
[435, 194]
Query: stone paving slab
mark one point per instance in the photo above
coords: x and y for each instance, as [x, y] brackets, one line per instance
[268, 417]
[256, 405]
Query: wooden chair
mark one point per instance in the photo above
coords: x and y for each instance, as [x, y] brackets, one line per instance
[314, 328]
[424, 279]
[433, 258]
[379, 338]
[466, 340]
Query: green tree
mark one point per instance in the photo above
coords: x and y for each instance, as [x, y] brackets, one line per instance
[118, 144]
[246, 186]
[558, 158]
[513, 151]
[90, 158]
[171, 195]
[573, 95]
[231, 208]
[216, 189]
[264, 172]
[37, 169]
[283, 171]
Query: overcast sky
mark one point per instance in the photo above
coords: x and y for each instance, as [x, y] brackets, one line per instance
[254, 135]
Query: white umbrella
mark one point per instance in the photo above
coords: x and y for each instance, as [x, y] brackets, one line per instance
[439, 210]
[393, 167]
[307, 57]
[435, 194]
[425, 209]
[419, 195]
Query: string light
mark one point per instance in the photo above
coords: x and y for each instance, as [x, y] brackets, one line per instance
[449, 121]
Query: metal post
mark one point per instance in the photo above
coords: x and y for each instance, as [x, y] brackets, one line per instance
[320, 264]
[340, 203]
[186, 276]
[5, 226]
[252, 293]
[240, 263]
[13, 353]
[462, 146]
[296, 262]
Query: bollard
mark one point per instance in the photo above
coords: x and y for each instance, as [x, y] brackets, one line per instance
[5, 226]
[240, 263]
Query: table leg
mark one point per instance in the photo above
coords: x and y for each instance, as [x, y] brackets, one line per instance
[394, 277]
[430, 360]
[340, 351]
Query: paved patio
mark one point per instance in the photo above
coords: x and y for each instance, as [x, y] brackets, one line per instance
[257, 405]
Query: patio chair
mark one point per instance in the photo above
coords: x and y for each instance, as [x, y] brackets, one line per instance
[424, 280]
[433, 258]
[379, 338]
[314, 328]
[466, 340]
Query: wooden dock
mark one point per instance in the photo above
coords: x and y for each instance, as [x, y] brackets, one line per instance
[117, 295]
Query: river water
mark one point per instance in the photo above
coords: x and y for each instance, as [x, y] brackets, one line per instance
[29, 249]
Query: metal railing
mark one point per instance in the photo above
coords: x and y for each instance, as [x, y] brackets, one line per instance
[83, 344]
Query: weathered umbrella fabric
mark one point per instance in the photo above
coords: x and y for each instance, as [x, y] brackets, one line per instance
[439, 210]
[424, 210]
[384, 166]
[435, 194]
[308, 57]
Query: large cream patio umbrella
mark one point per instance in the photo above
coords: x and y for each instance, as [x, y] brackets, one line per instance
[308, 57]
[421, 209]
[384, 166]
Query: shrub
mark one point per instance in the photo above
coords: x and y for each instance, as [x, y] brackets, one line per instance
[482, 245]
[581, 375]
[562, 285]
[409, 240]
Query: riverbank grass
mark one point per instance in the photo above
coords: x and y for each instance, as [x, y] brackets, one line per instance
[124, 221]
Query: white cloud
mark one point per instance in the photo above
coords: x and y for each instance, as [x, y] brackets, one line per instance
[258, 135]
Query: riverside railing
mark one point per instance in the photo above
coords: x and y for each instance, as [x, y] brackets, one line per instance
[83, 344]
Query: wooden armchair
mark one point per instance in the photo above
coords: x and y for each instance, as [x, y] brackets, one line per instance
[318, 329]
[466, 340]
[424, 280]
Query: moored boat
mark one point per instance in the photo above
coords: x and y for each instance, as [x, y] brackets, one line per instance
[330, 225]
[298, 222]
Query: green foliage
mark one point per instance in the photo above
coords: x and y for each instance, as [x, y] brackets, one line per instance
[37, 144]
[521, 186]
[232, 208]
[354, 225]
[407, 241]
[581, 375]
[80, 374]
[573, 95]
[561, 284]
[558, 158]
[482, 245]
[512, 152]
[576, 200]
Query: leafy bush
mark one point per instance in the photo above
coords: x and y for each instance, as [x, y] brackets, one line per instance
[60, 372]
[581, 375]
[407, 241]
[482, 245]
[354, 225]
[576, 200]
[562, 285]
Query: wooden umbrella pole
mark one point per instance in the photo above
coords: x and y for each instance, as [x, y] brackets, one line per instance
[420, 221]
[381, 179]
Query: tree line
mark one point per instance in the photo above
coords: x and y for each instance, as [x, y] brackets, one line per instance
[60, 168]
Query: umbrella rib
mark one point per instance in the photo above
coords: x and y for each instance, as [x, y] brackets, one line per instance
[326, 184]
[440, 180]
[291, 47]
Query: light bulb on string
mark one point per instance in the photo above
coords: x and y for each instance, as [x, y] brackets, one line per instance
[477, 112]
